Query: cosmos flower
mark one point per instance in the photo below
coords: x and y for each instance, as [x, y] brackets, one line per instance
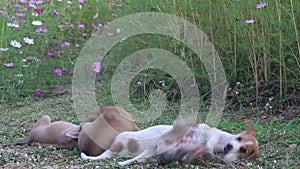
[41, 30]
[58, 72]
[9, 65]
[250, 21]
[39, 10]
[37, 23]
[38, 93]
[28, 40]
[16, 44]
[96, 67]
[261, 5]
[95, 16]
[65, 44]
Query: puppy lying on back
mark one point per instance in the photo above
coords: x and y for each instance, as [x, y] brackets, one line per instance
[101, 127]
[58, 133]
[186, 141]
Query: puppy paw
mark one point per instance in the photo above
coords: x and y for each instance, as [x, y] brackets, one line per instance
[83, 156]
[123, 163]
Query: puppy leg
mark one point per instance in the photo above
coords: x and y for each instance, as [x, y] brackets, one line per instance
[105, 155]
[140, 158]
[194, 154]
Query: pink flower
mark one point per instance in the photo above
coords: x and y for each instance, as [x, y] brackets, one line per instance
[81, 1]
[65, 44]
[250, 21]
[23, 1]
[39, 2]
[9, 65]
[95, 16]
[39, 10]
[139, 83]
[58, 72]
[96, 67]
[38, 93]
[22, 16]
[97, 27]
[53, 53]
[114, 14]
[119, 5]
[65, 69]
[55, 12]
[41, 30]
[261, 5]
[81, 26]
[110, 34]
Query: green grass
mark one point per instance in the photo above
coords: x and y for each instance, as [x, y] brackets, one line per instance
[275, 135]
[261, 62]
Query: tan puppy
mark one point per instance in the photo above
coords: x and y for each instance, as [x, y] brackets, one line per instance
[60, 134]
[101, 127]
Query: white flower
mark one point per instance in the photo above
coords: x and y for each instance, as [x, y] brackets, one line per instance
[37, 23]
[35, 14]
[13, 25]
[3, 49]
[118, 30]
[28, 40]
[16, 44]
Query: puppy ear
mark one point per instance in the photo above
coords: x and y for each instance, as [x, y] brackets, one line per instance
[254, 156]
[251, 129]
[73, 134]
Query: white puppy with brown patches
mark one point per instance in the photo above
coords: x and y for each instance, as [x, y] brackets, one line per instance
[186, 141]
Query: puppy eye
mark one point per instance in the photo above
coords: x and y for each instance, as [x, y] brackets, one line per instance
[239, 139]
[242, 150]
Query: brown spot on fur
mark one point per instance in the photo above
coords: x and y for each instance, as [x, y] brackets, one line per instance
[132, 145]
[116, 147]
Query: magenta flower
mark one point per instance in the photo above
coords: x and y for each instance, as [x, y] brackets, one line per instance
[250, 21]
[58, 72]
[139, 83]
[39, 10]
[95, 16]
[65, 44]
[96, 67]
[81, 26]
[261, 5]
[38, 93]
[81, 1]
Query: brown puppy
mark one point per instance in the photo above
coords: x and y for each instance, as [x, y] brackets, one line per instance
[60, 134]
[101, 127]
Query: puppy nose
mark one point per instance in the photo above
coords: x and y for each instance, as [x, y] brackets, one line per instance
[227, 148]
